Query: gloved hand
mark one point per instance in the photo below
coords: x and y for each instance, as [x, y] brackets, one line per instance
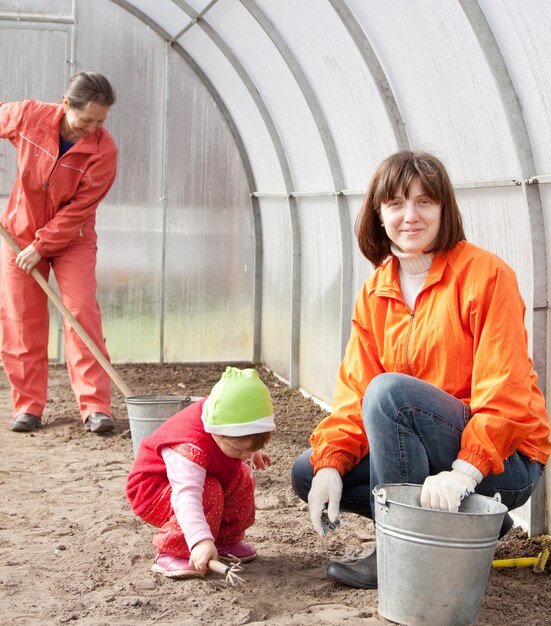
[326, 488]
[445, 490]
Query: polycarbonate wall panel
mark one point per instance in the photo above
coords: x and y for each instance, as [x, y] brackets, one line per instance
[320, 350]
[165, 13]
[522, 33]
[210, 245]
[277, 286]
[272, 77]
[351, 105]
[497, 219]
[241, 106]
[130, 219]
[56, 8]
[198, 5]
[443, 85]
[33, 57]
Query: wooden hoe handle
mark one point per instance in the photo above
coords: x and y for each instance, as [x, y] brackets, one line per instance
[125, 390]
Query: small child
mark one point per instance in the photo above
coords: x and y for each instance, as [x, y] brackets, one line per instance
[193, 477]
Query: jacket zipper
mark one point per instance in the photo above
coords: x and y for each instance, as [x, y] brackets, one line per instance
[408, 337]
[46, 185]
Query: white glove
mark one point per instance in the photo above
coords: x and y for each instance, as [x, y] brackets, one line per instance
[446, 490]
[326, 488]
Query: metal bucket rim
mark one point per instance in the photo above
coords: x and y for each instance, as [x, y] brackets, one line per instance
[153, 399]
[420, 508]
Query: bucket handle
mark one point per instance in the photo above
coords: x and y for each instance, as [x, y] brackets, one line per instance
[380, 496]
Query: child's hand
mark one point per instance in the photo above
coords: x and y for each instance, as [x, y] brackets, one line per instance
[201, 554]
[261, 460]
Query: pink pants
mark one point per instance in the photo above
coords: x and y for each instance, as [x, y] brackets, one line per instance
[25, 325]
[228, 513]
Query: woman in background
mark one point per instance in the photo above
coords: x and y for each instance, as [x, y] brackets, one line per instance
[67, 164]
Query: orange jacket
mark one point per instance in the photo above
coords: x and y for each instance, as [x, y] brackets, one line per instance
[466, 336]
[53, 200]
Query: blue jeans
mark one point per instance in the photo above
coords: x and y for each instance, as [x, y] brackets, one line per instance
[414, 430]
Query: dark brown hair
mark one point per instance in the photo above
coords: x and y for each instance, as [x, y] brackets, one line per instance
[85, 87]
[395, 174]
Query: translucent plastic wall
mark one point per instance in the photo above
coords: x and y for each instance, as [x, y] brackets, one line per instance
[176, 261]
[130, 220]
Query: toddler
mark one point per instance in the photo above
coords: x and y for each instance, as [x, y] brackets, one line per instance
[193, 477]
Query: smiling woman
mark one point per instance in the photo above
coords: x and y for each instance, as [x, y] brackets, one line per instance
[412, 219]
[79, 123]
[436, 387]
[86, 104]
[67, 164]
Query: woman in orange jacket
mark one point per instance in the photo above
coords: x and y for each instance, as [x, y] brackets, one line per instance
[67, 164]
[436, 386]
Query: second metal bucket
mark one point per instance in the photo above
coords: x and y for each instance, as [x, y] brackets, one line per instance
[433, 566]
[147, 413]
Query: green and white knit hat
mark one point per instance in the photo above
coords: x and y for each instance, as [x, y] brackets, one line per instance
[238, 405]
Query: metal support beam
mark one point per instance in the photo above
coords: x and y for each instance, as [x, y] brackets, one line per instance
[375, 69]
[332, 158]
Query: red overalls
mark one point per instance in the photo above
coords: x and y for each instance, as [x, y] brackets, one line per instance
[53, 205]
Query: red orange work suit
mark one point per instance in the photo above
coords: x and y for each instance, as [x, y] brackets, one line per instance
[52, 206]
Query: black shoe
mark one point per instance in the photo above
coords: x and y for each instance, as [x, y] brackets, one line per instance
[25, 422]
[99, 423]
[361, 574]
[506, 525]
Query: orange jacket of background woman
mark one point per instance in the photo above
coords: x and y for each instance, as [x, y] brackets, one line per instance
[53, 200]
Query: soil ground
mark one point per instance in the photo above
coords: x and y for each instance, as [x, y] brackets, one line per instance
[71, 551]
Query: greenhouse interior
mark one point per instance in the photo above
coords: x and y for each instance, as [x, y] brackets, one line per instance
[248, 131]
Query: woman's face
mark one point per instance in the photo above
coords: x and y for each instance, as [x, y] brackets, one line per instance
[412, 223]
[79, 123]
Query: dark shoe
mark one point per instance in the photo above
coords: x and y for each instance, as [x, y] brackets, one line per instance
[25, 422]
[99, 423]
[506, 525]
[361, 574]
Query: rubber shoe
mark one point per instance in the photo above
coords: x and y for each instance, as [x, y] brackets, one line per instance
[99, 423]
[240, 550]
[174, 567]
[25, 422]
[361, 574]
[506, 525]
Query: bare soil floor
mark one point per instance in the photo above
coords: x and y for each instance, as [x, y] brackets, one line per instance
[71, 551]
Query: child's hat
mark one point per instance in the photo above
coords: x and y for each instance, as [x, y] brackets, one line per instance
[238, 405]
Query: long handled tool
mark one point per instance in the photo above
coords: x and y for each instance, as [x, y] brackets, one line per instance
[125, 390]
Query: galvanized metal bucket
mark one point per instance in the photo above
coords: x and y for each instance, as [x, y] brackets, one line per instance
[147, 413]
[433, 566]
